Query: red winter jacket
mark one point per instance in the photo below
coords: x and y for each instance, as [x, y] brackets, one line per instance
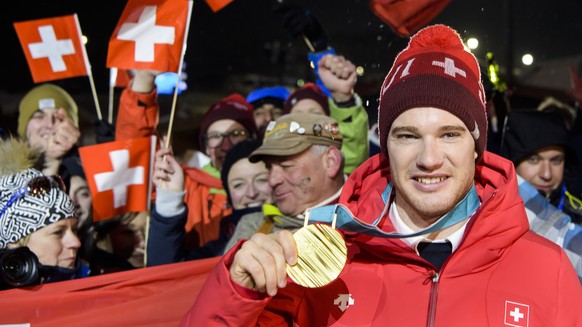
[501, 274]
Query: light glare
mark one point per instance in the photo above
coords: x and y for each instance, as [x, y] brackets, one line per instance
[472, 43]
[527, 59]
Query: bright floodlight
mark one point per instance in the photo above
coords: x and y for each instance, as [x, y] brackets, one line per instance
[472, 43]
[527, 59]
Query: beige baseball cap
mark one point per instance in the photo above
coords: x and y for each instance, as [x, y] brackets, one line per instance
[45, 96]
[296, 132]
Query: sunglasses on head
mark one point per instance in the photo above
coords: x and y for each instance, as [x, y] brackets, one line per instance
[36, 187]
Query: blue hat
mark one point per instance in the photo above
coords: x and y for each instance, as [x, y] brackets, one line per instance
[277, 93]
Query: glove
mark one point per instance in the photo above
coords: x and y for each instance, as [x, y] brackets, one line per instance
[299, 21]
[104, 131]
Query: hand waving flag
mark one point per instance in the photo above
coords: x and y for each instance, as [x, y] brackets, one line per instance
[53, 48]
[150, 35]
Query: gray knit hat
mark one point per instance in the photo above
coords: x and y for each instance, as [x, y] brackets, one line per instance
[30, 201]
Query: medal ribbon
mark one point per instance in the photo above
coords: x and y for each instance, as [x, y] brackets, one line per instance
[345, 220]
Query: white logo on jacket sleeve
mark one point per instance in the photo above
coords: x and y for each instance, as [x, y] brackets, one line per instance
[516, 314]
[343, 301]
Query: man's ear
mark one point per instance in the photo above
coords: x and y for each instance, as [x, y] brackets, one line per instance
[333, 161]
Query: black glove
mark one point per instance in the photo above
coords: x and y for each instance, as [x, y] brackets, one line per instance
[104, 131]
[299, 21]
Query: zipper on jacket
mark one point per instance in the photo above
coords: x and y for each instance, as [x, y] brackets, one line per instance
[434, 293]
[435, 276]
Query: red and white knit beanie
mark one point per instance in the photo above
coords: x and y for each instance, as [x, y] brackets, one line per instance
[435, 70]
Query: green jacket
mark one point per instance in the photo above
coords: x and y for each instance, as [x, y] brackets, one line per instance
[353, 124]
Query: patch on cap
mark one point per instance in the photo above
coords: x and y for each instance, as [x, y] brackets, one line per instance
[46, 103]
[294, 133]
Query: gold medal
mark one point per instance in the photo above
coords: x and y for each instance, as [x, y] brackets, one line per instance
[321, 255]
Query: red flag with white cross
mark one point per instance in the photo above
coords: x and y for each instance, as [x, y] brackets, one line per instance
[53, 48]
[150, 35]
[516, 314]
[118, 174]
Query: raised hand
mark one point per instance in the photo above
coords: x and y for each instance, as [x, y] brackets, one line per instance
[260, 263]
[63, 136]
[168, 175]
[338, 75]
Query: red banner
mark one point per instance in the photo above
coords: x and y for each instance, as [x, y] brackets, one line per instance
[154, 296]
[150, 35]
[53, 48]
[118, 174]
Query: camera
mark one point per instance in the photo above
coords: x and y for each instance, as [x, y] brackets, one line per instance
[19, 267]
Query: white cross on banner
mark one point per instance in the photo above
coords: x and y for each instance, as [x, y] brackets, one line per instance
[150, 35]
[118, 174]
[53, 48]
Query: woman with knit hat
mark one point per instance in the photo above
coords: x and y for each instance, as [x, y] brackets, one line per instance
[37, 213]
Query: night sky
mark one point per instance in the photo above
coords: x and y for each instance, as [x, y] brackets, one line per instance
[247, 38]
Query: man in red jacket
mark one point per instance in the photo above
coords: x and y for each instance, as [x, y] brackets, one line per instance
[441, 236]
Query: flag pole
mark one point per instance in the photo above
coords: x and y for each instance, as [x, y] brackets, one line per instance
[112, 79]
[88, 66]
[184, 45]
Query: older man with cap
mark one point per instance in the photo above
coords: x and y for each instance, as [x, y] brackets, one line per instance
[435, 230]
[48, 120]
[302, 153]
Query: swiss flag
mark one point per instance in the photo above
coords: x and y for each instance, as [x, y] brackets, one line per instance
[405, 17]
[53, 48]
[150, 35]
[516, 314]
[118, 174]
[216, 5]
